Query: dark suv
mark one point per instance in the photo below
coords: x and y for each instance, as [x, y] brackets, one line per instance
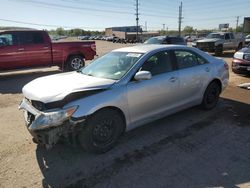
[166, 40]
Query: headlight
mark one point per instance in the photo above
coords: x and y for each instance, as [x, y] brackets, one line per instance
[246, 57]
[52, 119]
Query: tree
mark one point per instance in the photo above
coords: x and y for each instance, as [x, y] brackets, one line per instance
[188, 29]
[239, 28]
[60, 31]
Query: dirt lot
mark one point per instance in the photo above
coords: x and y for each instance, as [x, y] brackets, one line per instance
[193, 148]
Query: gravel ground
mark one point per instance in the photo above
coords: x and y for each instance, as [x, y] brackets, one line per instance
[193, 148]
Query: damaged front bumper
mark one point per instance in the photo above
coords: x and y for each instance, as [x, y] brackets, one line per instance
[49, 126]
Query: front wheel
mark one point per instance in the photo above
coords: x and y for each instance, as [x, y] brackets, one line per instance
[74, 62]
[211, 96]
[219, 50]
[102, 131]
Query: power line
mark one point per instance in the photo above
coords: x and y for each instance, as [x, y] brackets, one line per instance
[47, 25]
[73, 7]
[109, 4]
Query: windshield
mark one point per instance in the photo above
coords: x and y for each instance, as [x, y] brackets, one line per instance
[248, 37]
[215, 36]
[113, 65]
[154, 40]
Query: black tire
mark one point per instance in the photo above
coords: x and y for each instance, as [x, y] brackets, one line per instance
[74, 62]
[218, 50]
[211, 96]
[102, 131]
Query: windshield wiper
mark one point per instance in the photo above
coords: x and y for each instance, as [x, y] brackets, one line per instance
[87, 74]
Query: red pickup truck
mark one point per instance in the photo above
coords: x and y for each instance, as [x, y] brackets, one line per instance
[33, 48]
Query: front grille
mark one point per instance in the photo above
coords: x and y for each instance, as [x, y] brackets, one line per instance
[30, 118]
[205, 45]
[46, 106]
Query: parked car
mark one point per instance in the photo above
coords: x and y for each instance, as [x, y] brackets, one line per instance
[241, 61]
[119, 91]
[33, 48]
[247, 40]
[56, 38]
[83, 37]
[190, 38]
[218, 42]
[166, 40]
[119, 40]
[109, 38]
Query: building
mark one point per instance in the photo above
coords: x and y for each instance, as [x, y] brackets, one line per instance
[129, 33]
[112, 30]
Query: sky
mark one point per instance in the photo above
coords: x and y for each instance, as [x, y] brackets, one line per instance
[100, 14]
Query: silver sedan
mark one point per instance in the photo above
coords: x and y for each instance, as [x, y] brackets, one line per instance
[119, 91]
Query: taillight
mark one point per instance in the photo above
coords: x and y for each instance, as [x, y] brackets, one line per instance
[93, 47]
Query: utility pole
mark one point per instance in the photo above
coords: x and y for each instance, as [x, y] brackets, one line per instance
[180, 18]
[137, 18]
[146, 26]
[163, 27]
[237, 21]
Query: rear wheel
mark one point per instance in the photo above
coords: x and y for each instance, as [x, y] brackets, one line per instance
[102, 131]
[74, 62]
[211, 96]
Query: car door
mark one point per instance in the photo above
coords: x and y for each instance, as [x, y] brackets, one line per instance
[227, 43]
[36, 48]
[149, 98]
[194, 73]
[11, 56]
[234, 44]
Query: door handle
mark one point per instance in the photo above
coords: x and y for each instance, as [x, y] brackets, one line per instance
[172, 79]
[207, 69]
[21, 49]
[45, 47]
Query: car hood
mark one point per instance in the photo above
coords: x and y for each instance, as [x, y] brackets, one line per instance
[56, 87]
[208, 40]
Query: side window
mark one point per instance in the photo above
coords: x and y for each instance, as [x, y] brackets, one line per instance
[8, 39]
[231, 35]
[38, 38]
[31, 38]
[186, 59]
[227, 37]
[158, 63]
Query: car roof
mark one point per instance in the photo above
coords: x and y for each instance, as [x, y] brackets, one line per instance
[145, 48]
[20, 30]
[166, 36]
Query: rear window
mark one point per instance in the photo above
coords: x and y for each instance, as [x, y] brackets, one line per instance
[155, 40]
[176, 40]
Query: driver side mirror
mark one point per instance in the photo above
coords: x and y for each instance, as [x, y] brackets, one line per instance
[143, 75]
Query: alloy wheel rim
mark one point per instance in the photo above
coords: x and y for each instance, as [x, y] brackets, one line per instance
[76, 63]
[103, 133]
